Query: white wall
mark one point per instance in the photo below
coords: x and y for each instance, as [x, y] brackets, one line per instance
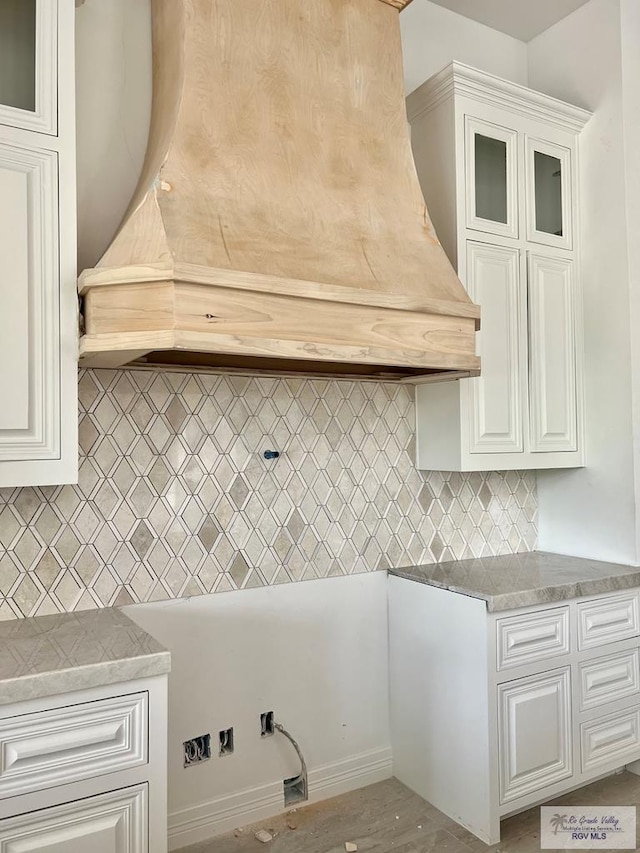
[314, 652]
[630, 28]
[592, 512]
[113, 95]
[432, 36]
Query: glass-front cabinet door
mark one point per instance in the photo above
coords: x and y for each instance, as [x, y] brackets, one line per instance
[491, 175]
[28, 79]
[548, 193]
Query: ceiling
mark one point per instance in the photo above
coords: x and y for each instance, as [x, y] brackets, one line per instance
[523, 19]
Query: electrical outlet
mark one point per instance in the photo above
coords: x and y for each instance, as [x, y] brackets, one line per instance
[196, 750]
[267, 727]
[225, 741]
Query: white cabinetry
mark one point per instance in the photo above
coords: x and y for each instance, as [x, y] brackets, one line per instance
[492, 713]
[108, 823]
[86, 771]
[38, 327]
[498, 166]
[534, 731]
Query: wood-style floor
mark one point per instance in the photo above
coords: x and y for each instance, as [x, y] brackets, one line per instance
[389, 817]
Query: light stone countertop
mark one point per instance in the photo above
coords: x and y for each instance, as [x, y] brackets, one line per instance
[50, 655]
[522, 580]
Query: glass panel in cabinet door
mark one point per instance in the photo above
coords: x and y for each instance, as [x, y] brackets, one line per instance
[18, 54]
[491, 178]
[28, 73]
[548, 194]
[547, 171]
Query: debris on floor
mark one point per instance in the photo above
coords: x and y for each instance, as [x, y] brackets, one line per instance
[291, 821]
[264, 836]
[350, 847]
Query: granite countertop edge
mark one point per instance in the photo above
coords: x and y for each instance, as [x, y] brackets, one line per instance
[39, 685]
[547, 594]
[64, 653]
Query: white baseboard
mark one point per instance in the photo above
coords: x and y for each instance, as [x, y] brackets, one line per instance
[224, 814]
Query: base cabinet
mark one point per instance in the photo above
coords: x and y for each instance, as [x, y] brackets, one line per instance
[86, 772]
[108, 823]
[492, 713]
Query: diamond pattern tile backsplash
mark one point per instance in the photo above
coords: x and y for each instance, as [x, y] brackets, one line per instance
[176, 499]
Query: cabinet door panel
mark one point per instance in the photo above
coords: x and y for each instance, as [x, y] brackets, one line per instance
[30, 316]
[28, 57]
[108, 823]
[534, 717]
[491, 178]
[549, 202]
[493, 280]
[553, 400]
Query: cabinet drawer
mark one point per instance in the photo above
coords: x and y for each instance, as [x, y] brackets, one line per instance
[62, 745]
[607, 740]
[113, 823]
[609, 679]
[607, 620]
[531, 637]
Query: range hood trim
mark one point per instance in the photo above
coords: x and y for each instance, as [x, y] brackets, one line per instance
[171, 314]
[184, 273]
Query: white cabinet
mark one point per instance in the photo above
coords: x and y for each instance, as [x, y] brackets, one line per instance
[108, 823]
[534, 725]
[86, 771]
[498, 166]
[28, 78]
[38, 328]
[497, 396]
[492, 713]
[553, 424]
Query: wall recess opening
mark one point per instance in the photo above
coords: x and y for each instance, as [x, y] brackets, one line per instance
[225, 741]
[295, 790]
[267, 727]
[196, 750]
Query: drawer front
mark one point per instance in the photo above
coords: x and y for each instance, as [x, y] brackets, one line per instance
[607, 620]
[109, 823]
[609, 679]
[69, 744]
[531, 637]
[608, 740]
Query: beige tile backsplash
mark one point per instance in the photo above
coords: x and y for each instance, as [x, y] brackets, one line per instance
[176, 499]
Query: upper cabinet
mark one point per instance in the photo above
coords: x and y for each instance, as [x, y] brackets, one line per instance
[498, 164]
[38, 314]
[28, 72]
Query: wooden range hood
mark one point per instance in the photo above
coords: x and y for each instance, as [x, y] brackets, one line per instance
[278, 223]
